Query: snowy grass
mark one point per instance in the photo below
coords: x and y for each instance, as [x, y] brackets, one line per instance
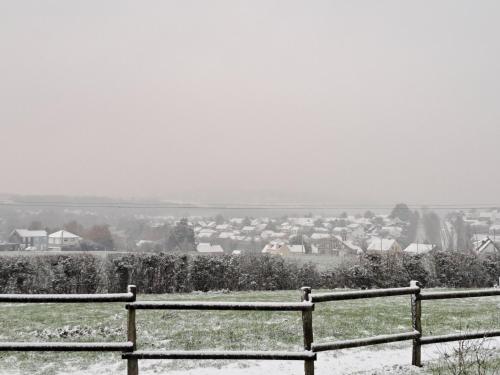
[224, 330]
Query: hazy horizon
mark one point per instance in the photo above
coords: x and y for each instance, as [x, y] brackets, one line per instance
[339, 102]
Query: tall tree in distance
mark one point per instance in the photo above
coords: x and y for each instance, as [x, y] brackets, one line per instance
[219, 219]
[100, 234]
[462, 230]
[181, 237]
[402, 212]
[432, 227]
[409, 234]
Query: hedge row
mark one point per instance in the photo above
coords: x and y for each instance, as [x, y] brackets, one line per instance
[171, 273]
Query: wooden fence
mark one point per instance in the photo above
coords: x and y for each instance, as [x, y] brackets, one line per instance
[305, 307]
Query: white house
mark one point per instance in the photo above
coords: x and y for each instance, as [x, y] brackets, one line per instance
[206, 248]
[357, 230]
[297, 249]
[276, 247]
[63, 238]
[29, 239]
[419, 248]
[383, 245]
[487, 246]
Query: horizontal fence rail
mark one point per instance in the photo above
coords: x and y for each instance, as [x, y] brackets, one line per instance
[258, 306]
[66, 298]
[66, 346]
[459, 337]
[355, 343]
[460, 294]
[361, 294]
[236, 355]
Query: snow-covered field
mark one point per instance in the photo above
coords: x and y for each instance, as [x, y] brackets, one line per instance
[386, 359]
[238, 331]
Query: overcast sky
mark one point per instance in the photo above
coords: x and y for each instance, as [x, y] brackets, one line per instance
[334, 101]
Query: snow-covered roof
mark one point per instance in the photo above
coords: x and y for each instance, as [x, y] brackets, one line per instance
[350, 245]
[207, 230]
[275, 246]
[217, 249]
[341, 229]
[297, 249]
[319, 236]
[205, 247]
[354, 226]
[381, 244]
[63, 234]
[486, 246]
[419, 248]
[26, 233]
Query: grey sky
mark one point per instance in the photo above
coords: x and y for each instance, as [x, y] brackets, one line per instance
[348, 102]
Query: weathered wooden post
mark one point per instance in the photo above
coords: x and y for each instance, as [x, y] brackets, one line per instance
[132, 365]
[308, 330]
[416, 319]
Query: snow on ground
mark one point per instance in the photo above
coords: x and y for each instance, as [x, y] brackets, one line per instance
[391, 360]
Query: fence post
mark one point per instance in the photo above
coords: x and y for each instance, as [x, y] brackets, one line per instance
[416, 319]
[307, 328]
[132, 365]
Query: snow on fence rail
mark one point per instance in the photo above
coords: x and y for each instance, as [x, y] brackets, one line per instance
[306, 307]
[67, 298]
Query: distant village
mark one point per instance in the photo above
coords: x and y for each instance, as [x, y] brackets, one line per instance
[343, 236]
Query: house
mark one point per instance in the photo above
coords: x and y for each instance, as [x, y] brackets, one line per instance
[341, 232]
[207, 248]
[351, 249]
[391, 231]
[487, 246]
[357, 230]
[297, 249]
[495, 231]
[319, 236]
[61, 239]
[325, 243]
[276, 248]
[29, 239]
[419, 248]
[206, 233]
[383, 245]
[334, 245]
[248, 229]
